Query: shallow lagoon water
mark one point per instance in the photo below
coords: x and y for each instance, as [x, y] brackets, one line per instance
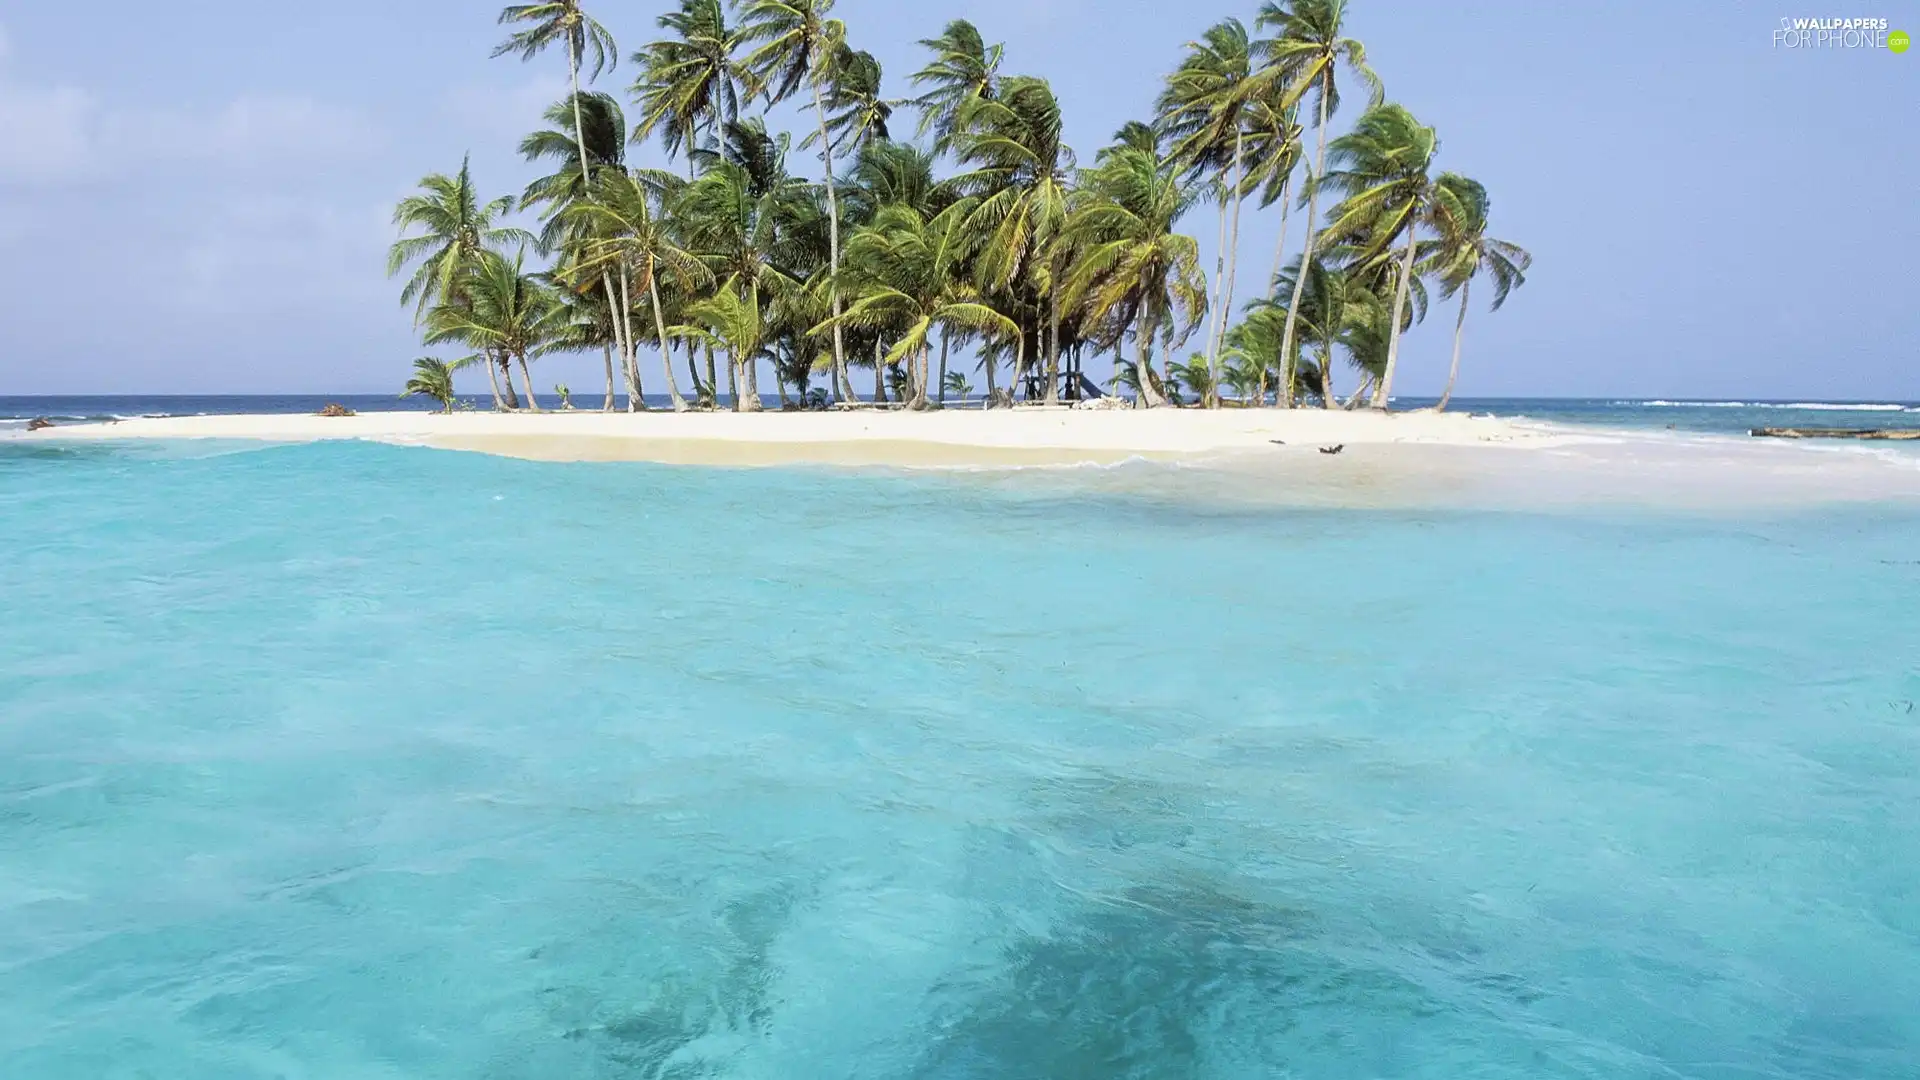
[359, 761]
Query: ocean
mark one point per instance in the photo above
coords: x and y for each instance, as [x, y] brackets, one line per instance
[1703, 417]
[350, 760]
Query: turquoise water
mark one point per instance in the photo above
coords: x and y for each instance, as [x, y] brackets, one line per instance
[358, 761]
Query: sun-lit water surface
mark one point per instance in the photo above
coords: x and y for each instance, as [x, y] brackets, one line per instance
[357, 761]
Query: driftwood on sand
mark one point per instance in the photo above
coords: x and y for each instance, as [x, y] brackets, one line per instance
[1835, 433]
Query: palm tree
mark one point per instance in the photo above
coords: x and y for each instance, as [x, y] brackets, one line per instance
[1020, 176]
[956, 383]
[737, 217]
[1196, 375]
[906, 270]
[1382, 176]
[432, 378]
[964, 69]
[1204, 112]
[689, 79]
[1308, 50]
[1464, 251]
[731, 319]
[603, 135]
[507, 314]
[860, 114]
[1133, 267]
[625, 228]
[794, 43]
[455, 229]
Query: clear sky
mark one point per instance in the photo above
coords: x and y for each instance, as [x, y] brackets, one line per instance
[195, 196]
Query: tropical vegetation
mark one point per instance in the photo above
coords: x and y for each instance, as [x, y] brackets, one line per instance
[971, 240]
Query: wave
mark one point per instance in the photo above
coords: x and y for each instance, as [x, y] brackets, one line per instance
[1808, 406]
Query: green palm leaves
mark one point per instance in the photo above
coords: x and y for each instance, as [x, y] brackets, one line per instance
[908, 274]
[1019, 254]
[1458, 209]
[506, 315]
[964, 69]
[689, 80]
[1132, 269]
[454, 229]
[561, 21]
[1382, 176]
[432, 378]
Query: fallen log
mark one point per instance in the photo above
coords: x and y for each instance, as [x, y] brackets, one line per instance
[1834, 433]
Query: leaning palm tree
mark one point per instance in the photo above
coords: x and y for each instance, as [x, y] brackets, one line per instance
[1133, 267]
[1020, 175]
[434, 379]
[793, 43]
[602, 134]
[736, 216]
[1382, 176]
[625, 228]
[455, 228]
[507, 314]
[1205, 111]
[689, 80]
[1308, 50]
[964, 69]
[567, 22]
[1464, 251]
[905, 270]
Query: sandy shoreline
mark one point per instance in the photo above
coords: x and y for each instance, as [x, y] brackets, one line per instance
[864, 437]
[1264, 456]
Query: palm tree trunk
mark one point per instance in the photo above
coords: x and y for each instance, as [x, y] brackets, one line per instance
[1384, 389]
[1052, 396]
[733, 380]
[945, 340]
[1459, 331]
[1279, 255]
[991, 365]
[493, 377]
[1019, 359]
[748, 400]
[833, 237]
[879, 376]
[636, 393]
[1216, 304]
[700, 390]
[533, 402]
[1144, 326]
[1280, 248]
[1313, 228]
[666, 350]
[713, 378]
[1327, 396]
[606, 350]
[506, 371]
[1233, 264]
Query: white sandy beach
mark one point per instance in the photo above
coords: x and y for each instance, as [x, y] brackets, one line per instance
[869, 436]
[1264, 455]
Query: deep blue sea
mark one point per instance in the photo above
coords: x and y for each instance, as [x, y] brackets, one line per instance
[357, 761]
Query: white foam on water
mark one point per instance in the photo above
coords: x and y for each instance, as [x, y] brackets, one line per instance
[1810, 406]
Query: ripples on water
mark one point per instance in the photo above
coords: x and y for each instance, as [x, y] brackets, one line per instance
[348, 760]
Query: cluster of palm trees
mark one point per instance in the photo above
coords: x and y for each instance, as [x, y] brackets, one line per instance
[981, 238]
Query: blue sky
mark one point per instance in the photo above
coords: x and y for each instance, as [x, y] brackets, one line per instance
[194, 197]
